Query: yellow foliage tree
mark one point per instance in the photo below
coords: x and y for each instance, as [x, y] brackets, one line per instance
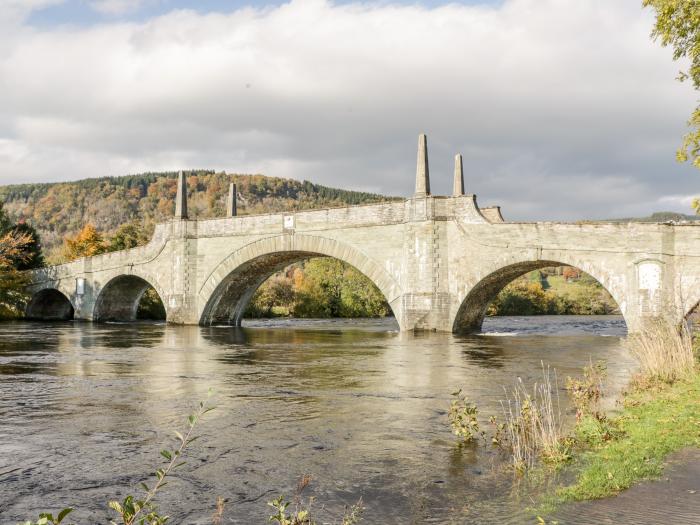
[87, 243]
[13, 282]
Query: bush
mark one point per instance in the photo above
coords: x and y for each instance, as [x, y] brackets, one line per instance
[586, 392]
[463, 418]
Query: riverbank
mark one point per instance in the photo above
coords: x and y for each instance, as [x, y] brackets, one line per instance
[672, 498]
[632, 446]
[615, 453]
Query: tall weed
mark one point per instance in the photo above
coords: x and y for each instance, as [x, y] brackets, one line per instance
[664, 350]
[533, 422]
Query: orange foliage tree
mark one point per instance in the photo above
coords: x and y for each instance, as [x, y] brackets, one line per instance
[86, 243]
[570, 273]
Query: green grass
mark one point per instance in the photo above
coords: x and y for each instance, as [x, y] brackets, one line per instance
[652, 425]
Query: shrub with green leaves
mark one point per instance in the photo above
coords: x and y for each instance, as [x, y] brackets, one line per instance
[298, 517]
[301, 513]
[585, 392]
[463, 418]
[46, 518]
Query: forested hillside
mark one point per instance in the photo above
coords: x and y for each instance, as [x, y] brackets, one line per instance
[58, 210]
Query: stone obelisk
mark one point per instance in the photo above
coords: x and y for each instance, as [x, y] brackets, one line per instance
[422, 171]
[458, 185]
[181, 199]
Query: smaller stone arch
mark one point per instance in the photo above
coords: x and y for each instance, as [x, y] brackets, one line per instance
[228, 289]
[119, 299]
[473, 307]
[50, 304]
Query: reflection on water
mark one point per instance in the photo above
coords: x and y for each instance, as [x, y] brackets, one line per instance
[359, 406]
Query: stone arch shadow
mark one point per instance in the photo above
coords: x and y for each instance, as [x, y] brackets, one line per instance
[474, 304]
[119, 298]
[224, 296]
[50, 304]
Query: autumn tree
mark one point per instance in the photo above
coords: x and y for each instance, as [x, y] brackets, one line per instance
[678, 26]
[129, 235]
[20, 250]
[277, 291]
[13, 282]
[32, 256]
[331, 288]
[569, 273]
[87, 243]
[29, 255]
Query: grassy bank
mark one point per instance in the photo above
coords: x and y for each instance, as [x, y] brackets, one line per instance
[659, 415]
[614, 454]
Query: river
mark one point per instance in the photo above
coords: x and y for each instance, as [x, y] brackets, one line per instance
[358, 406]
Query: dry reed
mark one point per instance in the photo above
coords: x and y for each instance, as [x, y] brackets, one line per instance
[533, 422]
[664, 350]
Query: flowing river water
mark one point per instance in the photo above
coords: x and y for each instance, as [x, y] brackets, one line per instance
[358, 406]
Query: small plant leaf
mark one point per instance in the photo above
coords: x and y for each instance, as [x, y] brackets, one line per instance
[63, 514]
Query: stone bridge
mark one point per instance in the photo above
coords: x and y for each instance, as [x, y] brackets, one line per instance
[438, 260]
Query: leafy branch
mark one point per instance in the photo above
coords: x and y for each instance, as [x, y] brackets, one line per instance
[143, 511]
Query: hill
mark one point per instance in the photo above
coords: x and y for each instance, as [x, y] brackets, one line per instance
[61, 209]
[660, 216]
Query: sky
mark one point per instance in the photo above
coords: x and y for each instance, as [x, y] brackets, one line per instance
[562, 109]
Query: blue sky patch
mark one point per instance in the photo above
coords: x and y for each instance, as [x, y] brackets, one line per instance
[84, 13]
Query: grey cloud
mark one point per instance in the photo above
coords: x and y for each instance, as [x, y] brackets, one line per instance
[563, 109]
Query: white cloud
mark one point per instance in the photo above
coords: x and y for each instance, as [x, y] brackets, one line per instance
[13, 12]
[562, 108]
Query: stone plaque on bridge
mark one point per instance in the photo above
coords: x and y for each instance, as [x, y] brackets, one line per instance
[649, 276]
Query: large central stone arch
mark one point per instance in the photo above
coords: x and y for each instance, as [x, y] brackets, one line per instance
[473, 305]
[227, 290]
